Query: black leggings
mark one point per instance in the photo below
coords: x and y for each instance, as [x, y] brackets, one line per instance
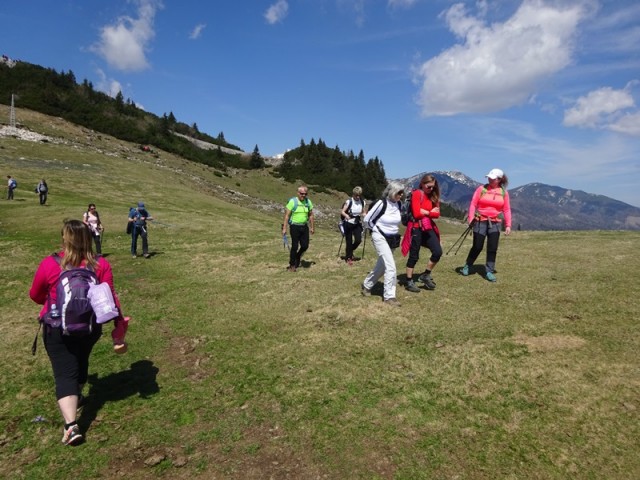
[424, 238]
[69, 358]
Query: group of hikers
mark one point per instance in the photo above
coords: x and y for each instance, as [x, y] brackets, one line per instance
[61, 274]
[42, 189]
[488, 209]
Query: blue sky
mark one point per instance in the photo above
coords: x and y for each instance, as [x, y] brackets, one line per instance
[547, 90]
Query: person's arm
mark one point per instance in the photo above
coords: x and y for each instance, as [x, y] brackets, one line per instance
[473, 205]
[435, 211]
[285, 222]
[311, 222]
[507, 213]
[345, 214]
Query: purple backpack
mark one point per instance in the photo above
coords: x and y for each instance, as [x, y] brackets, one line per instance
[76, 313]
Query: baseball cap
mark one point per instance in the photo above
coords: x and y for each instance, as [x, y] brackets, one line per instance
[495, 173]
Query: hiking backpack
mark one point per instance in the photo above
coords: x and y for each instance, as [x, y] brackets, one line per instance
[406, 214]
[129, 229]
[76, 315]
[485, 190]
[13, 183]
[42, 188]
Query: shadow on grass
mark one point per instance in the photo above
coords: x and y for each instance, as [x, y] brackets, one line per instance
[139, 379]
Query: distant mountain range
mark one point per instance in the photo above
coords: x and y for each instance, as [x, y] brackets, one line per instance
[537, 206]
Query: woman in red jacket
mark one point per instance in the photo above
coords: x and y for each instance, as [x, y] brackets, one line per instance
[425, 207]
[69, 355]
[489, 206]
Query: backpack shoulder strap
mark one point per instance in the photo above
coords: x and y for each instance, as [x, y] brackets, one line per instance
[383, 209]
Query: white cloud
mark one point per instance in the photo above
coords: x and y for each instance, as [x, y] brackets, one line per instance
[197, 31]
[500, 65]
[107, 85]
[591, 110]
[276, 12]
[628, 124]
[124, 44]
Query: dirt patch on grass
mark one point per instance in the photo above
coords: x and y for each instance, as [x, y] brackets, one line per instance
[549, 343]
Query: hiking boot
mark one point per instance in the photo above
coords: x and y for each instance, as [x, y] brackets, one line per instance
[72, 436]
[429, 284]
[412, 287]
[392, 302]
[366, 292]
[491, 277]
[465, 270]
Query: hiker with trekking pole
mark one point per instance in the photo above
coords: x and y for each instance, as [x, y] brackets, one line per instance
[353, 210]
[91, 219]
[488, 208]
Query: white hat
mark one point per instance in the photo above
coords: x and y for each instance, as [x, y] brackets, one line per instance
[495, 173]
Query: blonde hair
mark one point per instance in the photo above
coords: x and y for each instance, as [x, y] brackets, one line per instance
[77, 245]
[357, 191]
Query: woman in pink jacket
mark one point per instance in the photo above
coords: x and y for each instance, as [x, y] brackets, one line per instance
[489, 207]
[69, 355]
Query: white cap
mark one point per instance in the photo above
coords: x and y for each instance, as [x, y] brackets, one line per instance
[495, 173]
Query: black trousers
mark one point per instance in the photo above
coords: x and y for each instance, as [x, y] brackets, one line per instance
[423, 238]
[69, 358]
[353, 237]
[98, 241]
[299, 243]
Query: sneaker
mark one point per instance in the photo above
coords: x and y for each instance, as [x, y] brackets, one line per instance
[412, 287]
[72, 436]
[366, 292]
[465, 270]
[491, 277]
[146, 255]
[392, 302]
[291, 268]
[428, 281]
[134, 255]
[349, 262]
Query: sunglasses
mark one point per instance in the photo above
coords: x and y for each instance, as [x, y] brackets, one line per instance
[303, 194]
[429, 186]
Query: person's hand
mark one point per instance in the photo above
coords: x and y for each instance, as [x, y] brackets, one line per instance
[436, 210]
[507, 230]
[312, 230]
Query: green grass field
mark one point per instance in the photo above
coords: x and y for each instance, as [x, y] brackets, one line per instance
[238, 369]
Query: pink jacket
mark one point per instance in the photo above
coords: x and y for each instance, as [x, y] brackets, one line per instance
[46, 277]
[490, 205]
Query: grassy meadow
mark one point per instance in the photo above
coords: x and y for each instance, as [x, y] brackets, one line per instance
[238, 369]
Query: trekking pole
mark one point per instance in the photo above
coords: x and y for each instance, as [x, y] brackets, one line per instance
[461, 239]
[465, 237]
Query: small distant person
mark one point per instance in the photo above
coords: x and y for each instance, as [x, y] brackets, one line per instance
[298, 214]
[139, 217]
[489, 206]
[69, 355]
[42, 189]
[91, 219]
[353, 211]
[383, 219]
[11, 186]
[423, 232]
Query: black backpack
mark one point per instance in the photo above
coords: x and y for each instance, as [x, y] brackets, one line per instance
[350, 202]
